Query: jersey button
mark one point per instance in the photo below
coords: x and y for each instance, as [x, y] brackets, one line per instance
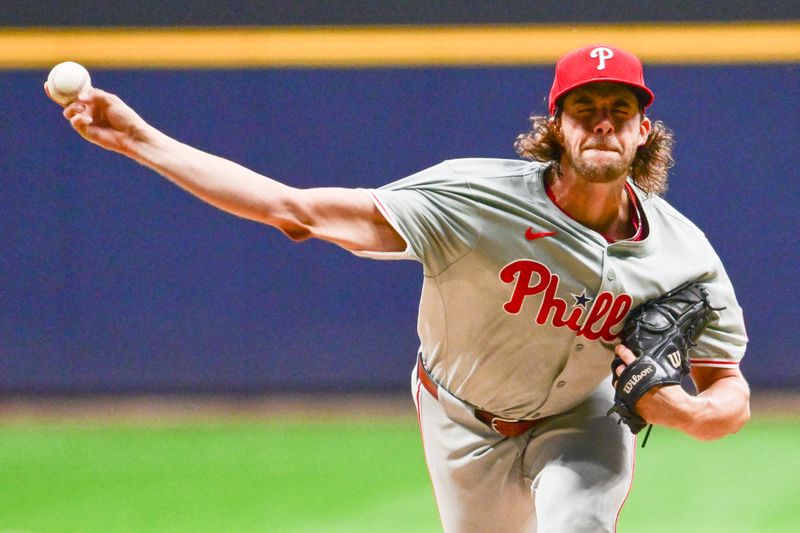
[561, 384]
[611, 275]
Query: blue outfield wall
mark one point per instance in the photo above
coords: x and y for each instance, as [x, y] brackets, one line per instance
[112, 279]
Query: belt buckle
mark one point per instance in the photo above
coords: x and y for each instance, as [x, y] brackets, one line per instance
[497, 419]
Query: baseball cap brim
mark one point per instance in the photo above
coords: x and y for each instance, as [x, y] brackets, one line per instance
[643, 94]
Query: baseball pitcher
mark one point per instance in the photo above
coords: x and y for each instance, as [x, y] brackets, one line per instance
[562, 295]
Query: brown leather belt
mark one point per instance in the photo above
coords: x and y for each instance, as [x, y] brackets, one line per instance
[503, 426]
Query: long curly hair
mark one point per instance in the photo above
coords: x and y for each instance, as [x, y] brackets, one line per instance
[650, 165]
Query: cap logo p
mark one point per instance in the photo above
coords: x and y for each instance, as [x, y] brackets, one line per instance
[601, 53]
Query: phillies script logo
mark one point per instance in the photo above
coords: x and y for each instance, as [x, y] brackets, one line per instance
[531, 278]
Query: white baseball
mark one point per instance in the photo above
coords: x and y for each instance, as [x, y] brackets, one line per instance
[67, 80]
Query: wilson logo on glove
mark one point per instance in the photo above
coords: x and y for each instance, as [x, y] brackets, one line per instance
[636, 378]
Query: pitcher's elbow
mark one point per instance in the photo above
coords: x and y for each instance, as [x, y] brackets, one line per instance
[296, 233]
[744, 418]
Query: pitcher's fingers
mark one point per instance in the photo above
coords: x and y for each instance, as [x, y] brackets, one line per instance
[96, 95]
[73, 109]
[80, 121]
[625, 354]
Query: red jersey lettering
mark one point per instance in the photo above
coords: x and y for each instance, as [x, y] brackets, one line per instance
[531, 278]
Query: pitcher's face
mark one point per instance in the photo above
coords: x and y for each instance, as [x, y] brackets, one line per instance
[601, 126]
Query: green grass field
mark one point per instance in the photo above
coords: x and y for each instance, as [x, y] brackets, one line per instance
[349, 477]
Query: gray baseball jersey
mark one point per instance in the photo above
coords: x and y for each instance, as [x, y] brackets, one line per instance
[518, 317]
[521, 322]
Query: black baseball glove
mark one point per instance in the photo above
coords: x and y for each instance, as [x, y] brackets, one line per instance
[660, 333]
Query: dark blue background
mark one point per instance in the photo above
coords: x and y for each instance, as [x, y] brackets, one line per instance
[113, 279]
[189, 13]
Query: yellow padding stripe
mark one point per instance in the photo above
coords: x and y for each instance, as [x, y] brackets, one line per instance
[391, 46]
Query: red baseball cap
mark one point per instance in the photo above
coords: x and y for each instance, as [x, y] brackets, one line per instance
[599, 63]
